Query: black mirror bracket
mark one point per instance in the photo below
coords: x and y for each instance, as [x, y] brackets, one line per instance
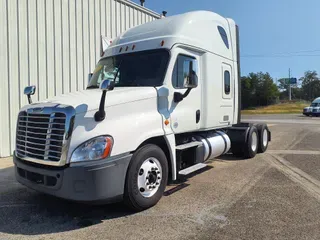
[100, 115]
[29, 99]
[178, 97]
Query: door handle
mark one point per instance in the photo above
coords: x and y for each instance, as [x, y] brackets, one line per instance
[197, 116]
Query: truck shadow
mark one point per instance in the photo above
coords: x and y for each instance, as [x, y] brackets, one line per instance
[230, 157]
[26, 212]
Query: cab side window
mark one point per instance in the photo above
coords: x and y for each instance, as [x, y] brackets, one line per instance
[184, 68]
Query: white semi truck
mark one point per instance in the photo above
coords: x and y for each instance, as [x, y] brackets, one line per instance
[163, 99]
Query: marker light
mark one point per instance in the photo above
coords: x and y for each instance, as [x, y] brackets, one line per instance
[162, 43]
[133, 47]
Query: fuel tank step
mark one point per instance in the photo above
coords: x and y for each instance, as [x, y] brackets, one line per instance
[192, 169]
[188, 145]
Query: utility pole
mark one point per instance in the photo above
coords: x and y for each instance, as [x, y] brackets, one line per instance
[289, 85]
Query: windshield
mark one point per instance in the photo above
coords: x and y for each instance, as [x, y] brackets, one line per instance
[314, 104]
[145, 69]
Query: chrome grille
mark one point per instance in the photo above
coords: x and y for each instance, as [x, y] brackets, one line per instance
[41, 136]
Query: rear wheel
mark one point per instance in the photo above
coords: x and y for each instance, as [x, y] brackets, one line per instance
[147, 178]
[251, 145]
[263, 137]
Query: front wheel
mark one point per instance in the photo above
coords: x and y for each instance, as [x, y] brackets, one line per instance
[146, 178]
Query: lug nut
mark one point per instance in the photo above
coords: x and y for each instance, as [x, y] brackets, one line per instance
[159, 177]
[156, 169]
[158, 172]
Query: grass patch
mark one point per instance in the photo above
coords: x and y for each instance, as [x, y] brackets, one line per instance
[281, 108]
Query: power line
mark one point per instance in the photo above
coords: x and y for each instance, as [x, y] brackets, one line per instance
[283, 56]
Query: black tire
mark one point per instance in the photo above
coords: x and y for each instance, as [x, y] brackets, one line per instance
[249, 152]
[263, 132]
[132, 196]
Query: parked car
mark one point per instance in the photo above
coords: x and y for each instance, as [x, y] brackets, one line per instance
[314, 109]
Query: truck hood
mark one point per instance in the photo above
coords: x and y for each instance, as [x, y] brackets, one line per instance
[89, 100]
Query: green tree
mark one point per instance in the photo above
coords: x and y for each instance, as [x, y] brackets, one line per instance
[310, 85]
[258, 89]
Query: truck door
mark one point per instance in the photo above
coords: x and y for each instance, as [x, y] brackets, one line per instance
[185, 115]
[227, 94]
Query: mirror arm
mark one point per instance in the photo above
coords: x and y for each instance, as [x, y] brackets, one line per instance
[101, 114]
[178, 97]
[29, 99]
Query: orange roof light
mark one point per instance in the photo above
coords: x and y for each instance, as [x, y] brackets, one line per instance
[127, 48]
[162, 43]
[120, 49]
[133, 47]
[166, 122]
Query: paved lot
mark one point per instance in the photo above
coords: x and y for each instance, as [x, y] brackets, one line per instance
[276, 195]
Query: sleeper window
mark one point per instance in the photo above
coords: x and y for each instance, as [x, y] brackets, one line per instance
[184, 67]
[227, 82]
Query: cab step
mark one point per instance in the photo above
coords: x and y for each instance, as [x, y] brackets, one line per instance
[192, 169]
[188, 145]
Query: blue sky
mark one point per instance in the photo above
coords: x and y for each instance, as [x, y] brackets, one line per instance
[267, 28]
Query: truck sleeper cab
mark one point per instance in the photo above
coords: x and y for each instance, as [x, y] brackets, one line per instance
[163, 99]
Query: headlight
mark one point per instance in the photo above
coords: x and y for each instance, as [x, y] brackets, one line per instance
[94, 149]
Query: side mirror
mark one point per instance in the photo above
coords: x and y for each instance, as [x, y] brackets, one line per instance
[90, 76]
[192, 78]
[30, 90]
[105, 85]
[192, 81]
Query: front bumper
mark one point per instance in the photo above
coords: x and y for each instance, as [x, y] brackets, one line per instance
[99, 181]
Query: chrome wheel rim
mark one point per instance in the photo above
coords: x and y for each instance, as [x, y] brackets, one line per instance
[265, 137]
[254, 141]
[149, 177]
